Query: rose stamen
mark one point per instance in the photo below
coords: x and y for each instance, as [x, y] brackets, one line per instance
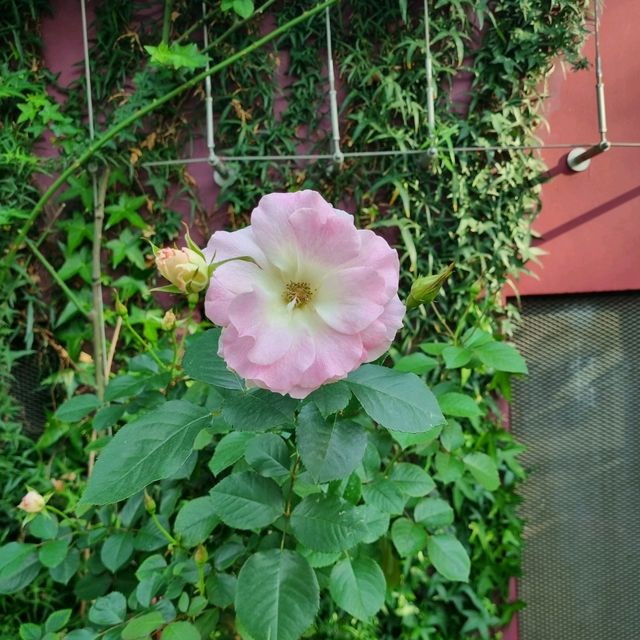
[297, 294]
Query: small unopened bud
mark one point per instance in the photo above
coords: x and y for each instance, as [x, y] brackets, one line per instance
[169, 321]
[149, 504]
[184, 268]
[424, 290]
[32, 502]
[58, 485]
[201, 555]
[121, 310]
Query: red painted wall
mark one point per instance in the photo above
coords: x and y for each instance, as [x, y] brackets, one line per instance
[590, 221]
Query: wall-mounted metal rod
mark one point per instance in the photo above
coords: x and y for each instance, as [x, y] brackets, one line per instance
[431, 118]
[213, 158]
[579, 158]
[338, 156]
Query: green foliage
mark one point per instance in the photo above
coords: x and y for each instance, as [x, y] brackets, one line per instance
[377, 508]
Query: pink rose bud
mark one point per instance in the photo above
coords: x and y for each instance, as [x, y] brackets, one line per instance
[33, 502]
[184, 268]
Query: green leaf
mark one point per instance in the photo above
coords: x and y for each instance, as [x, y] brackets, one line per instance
[202, 362]
[455, 357]
[330, 398]
[406, 440]
[81, 634]
[30, 631]
[57, 620]
[483, 469]
[44, 526]
[53, 552]
[501, 357]
[398, 401]
[247, 501]
[258, 410]
[126, 247]
[358, 586]
[18, 566]
[452, 437]
[180, 631]
[229, 450]
[126, 210]
[195, 521]
[449, 467]
[140, 628]
[376, 522]
[408, 537]
[327, 523]
[412, 480]
[150, 448]
[384, 495]
[277, 595]
[433, 513]
[108, 610]
[63, 572]
[108, 416]
[78, 407]
[459, 405]
[178, 56]
[449, 557]
[116, 550]
[268, 454]
[417, 363]
[330, 450]
[244, 8]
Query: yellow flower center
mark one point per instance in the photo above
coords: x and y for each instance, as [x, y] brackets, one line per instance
[297, 294]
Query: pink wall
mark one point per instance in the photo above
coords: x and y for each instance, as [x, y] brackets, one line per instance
[590, 221]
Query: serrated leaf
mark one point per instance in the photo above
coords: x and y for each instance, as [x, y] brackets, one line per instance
[229, 450]
[53, 552]
[195, 521]
[277, 595]
[78, 407]
[108, 610]
[501, 357]
[141, 627]
[384, 495]
[57, 620]
[148, 449]
[330, 450]
[327, 523]
[408, 537]
[18, 566]
[452, 437]
[269, 455]
[459, 405]
[456, 357]
[180, 631]
[417, 363]
[258, 410]
[201, 362]
[433, 513]
[483, 469]
[63, 572]
[116, 550]
[330, 398]
[449, 557]
[247, 501]
[358, 586]
[398, 401]
[412, 480]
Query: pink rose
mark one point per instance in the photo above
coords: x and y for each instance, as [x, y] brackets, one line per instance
[32, 502]
[320, 299]
[184, 268]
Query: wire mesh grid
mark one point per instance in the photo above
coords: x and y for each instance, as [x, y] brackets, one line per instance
[577, 413]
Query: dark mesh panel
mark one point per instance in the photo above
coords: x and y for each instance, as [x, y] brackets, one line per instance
[577, 413]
